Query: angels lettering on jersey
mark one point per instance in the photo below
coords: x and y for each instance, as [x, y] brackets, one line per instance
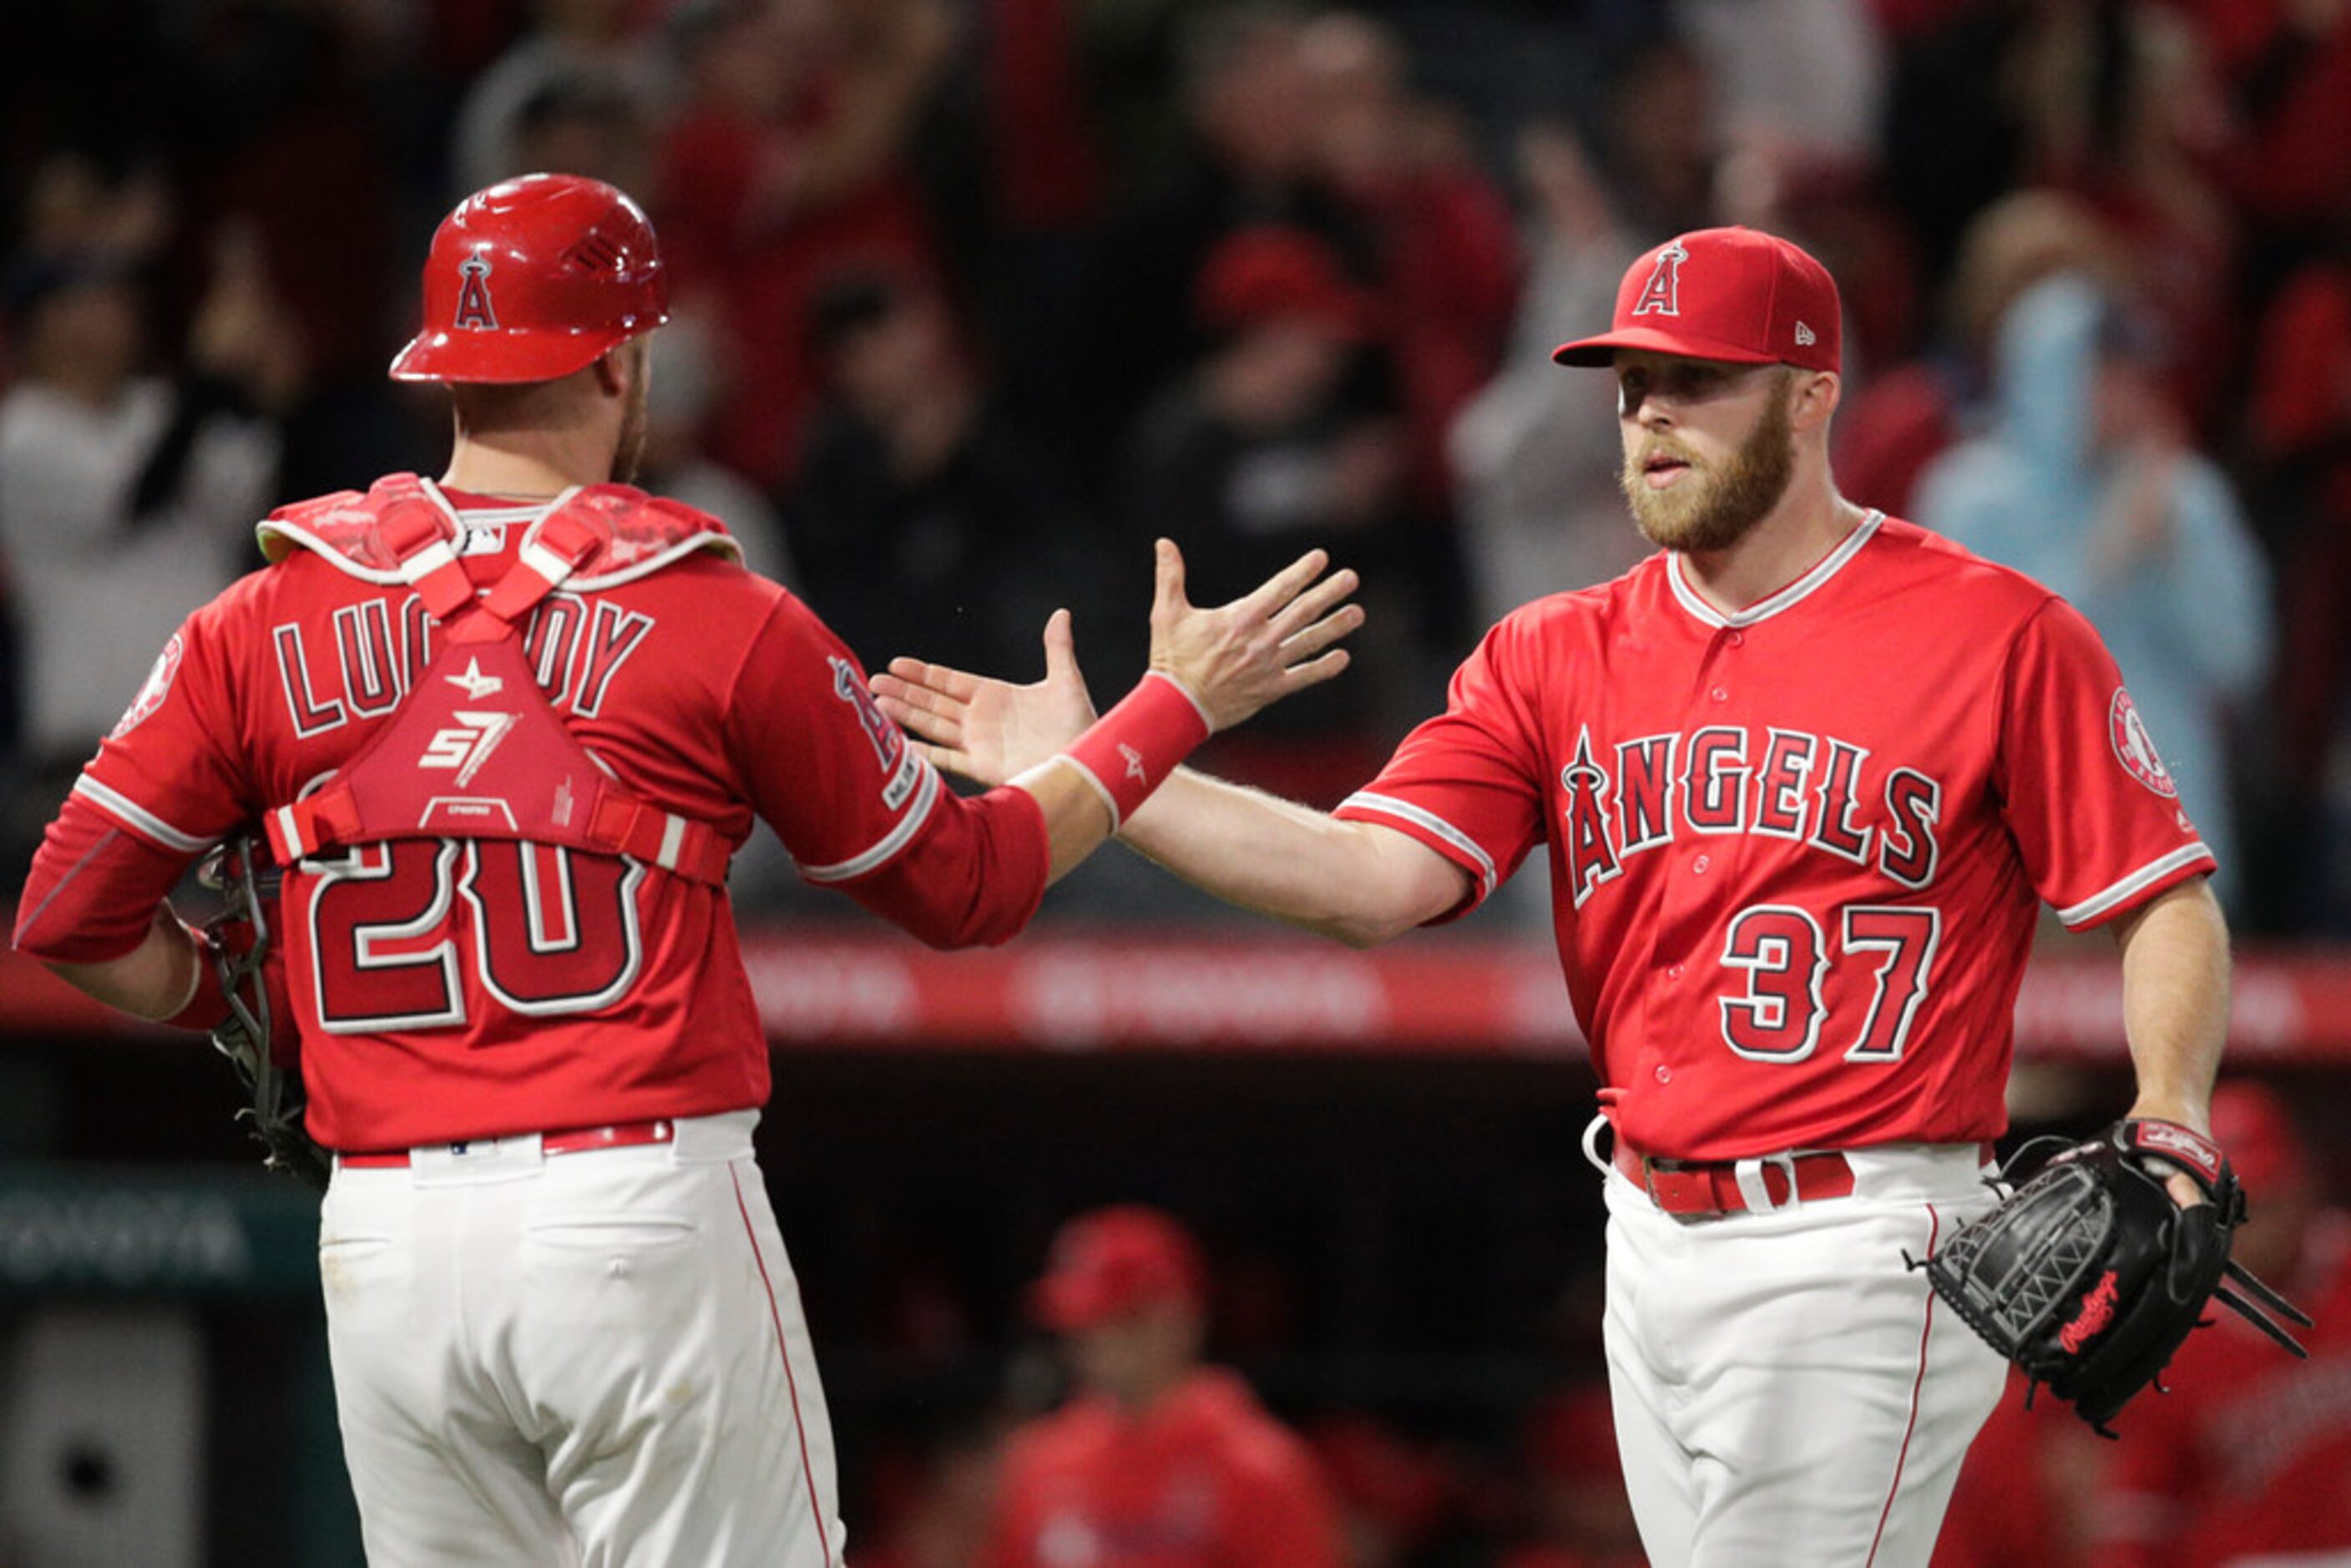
[1621, 800]
[574, 648]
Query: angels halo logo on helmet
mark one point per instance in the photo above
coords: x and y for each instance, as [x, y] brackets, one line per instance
[533, 278]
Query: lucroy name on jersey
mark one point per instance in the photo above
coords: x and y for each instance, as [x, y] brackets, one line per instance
[574, 648]
[1725, 779]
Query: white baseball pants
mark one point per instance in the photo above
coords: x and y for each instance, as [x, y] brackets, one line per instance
[1785, 1390]
[592, 1358]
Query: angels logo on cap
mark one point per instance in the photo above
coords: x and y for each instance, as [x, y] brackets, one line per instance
[474, 310]
[1737, 295]
[1661, 295]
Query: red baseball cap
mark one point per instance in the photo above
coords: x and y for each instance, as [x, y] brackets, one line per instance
[1275, 271]
[1108, 1262]
[1735, 294]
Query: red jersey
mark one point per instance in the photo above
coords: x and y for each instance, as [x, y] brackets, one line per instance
[454, 987]
[2249, 1457]
[1205, 1478]
[1797, 852]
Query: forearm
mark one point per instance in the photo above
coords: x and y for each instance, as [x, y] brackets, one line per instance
[2176, 1002]
[1077, 820]
[156, 980]
[1358, 883]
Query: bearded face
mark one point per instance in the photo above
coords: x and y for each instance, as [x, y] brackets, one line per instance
[1710, 507]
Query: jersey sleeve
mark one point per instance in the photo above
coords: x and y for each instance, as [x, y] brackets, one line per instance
[1468, 782]
[860, 809]
[164, 787]
[2085, 793]
[171, 772]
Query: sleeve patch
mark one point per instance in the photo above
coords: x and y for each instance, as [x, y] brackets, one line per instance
[150, 696]
[2135, 749]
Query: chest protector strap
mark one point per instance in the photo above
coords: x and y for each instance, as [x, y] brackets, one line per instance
[475, 750]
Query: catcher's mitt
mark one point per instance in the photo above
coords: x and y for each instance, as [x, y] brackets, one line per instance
[2089, 1276]
[259, 1038]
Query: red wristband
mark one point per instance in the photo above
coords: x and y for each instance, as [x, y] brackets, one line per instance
[207, 1010]
[1132, 750]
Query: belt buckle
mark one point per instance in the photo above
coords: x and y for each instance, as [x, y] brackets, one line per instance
[1649, 1180]
[1749, 1173]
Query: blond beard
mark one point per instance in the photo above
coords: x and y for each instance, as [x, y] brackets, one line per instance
[1708, 512]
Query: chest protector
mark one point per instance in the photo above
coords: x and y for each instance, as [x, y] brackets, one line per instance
[475, 750]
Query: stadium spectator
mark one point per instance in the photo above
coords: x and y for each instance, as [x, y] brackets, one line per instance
[1903, 418]
[2300, 434]
[2085, 483]
[1535, 452]
[922, 522]
[1263, 451]
[574, 49]
[787, 166]
[2245, 1461]
[1442, 255]
[1241, 158]
[1157, 1458]
[125, 490]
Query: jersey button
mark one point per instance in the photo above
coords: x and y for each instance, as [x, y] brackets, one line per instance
[1719, 693]
[1674, 972]
[1665, 1073]
[1738, 639]
[1702, 865]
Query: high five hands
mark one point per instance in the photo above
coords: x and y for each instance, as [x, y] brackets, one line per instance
[1234, 660]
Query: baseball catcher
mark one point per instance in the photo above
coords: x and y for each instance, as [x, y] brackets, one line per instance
[2089, 1275]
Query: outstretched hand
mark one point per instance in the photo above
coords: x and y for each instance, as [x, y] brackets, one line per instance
[987, 730]
[1263, 646]
[1234, 660]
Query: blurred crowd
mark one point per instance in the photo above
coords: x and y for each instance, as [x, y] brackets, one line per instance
[975, 297]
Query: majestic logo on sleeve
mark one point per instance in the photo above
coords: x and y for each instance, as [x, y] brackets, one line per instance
[2135, 749]
[475, 311]
[1662, 295]
[159, 686]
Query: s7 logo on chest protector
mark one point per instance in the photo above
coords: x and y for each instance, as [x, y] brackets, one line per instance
[467, 744]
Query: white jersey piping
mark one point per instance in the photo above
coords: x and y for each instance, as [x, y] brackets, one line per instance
[925, 797]
[131, 813]
[1763, 610]
[1429, 823]
[2098, 904]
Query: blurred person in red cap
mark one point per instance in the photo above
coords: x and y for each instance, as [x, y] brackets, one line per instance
[2248, 1459]
[1157, 1460]
[1803, 780]
[1279, 439]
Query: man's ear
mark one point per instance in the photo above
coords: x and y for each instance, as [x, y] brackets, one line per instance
[1815, 399]
[611, 375]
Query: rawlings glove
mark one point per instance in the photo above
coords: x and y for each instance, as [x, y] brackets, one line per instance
[259, 1038]
[2089, 1276]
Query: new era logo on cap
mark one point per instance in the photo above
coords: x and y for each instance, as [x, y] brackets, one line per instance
[1733, 294]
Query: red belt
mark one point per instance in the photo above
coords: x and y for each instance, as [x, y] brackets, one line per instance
[620, 1136]
[1691, 1188]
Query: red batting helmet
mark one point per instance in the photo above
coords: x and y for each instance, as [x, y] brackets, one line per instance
[532, 280]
